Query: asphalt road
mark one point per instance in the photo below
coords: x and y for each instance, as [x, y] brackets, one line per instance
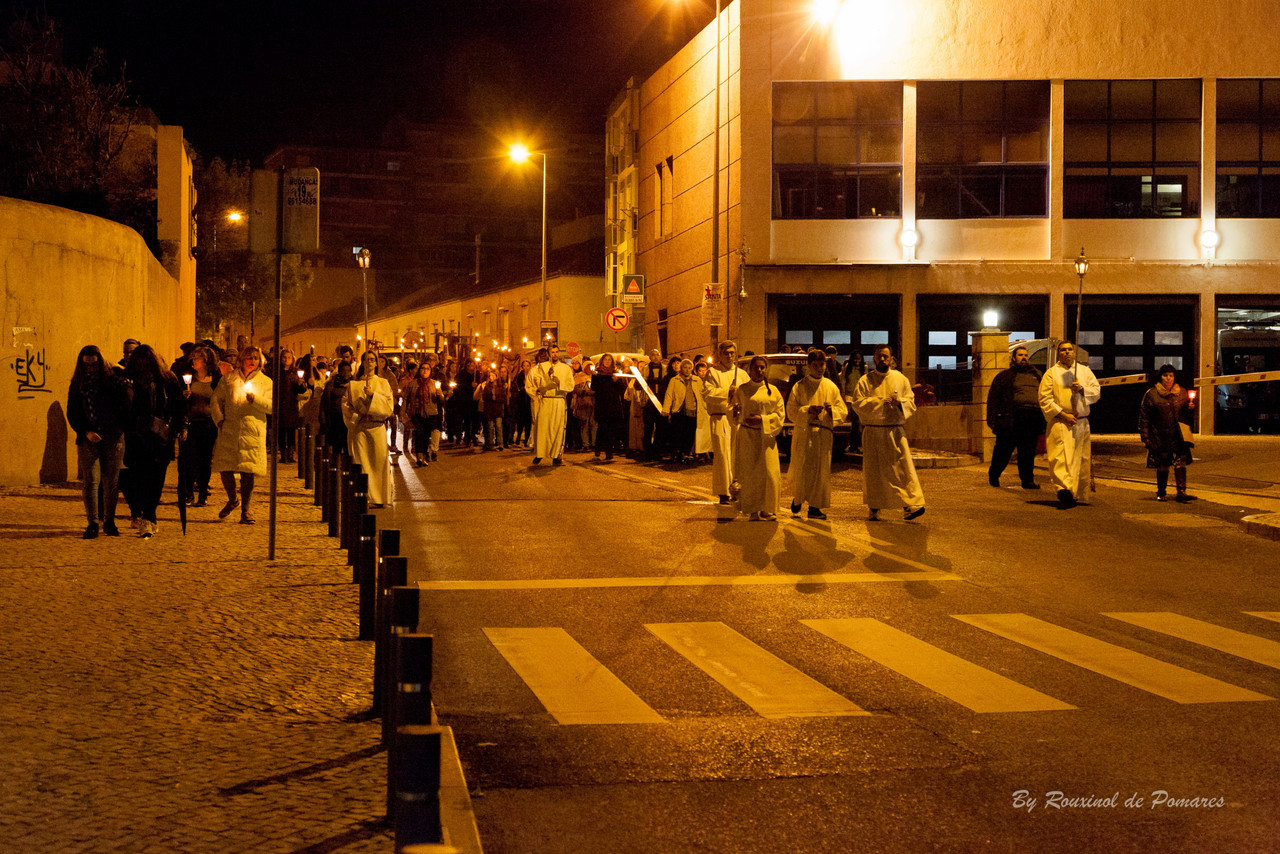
[628, 668]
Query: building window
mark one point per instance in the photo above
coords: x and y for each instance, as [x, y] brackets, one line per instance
[666, 197]
[1131, 149]
[1248, 181]
[982, 149]
[837, 150]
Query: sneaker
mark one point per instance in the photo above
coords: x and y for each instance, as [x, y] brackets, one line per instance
[993, 480]
[110, 529]
[908, 514]
[91, 531]
[815, 513]
[228, 507]
[795, 509]
[247, 519]
[136, 523]
[146, 530]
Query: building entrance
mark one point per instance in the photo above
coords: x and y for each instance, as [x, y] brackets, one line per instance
[1248, 342]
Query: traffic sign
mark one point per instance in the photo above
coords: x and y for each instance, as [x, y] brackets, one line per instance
[616, 319]
[632, 290]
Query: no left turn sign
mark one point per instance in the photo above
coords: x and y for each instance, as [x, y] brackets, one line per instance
[616, 319]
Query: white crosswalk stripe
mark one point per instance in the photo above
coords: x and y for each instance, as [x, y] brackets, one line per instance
[1239, 644]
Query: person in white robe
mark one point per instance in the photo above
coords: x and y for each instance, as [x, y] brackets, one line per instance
[550, 383]
[884, 401]
[702, 435]
[1067, 390]
[814, 408]
[758, 414]
[365, 408]
[723, 379]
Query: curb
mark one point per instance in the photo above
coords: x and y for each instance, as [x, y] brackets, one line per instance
[1262, 525]
[456, 815]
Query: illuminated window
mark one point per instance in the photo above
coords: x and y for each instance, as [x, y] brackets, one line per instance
[1248, 180]
[875, 336]
[982, 149]
[837, 150]
[1131, 148]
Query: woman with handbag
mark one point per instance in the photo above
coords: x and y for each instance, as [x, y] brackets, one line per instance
[1164, 423]
[156, 408]
[241, 404]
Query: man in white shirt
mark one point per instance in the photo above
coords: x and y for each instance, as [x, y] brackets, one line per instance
[814, 408]
[884, 401]
[1067, 390]
[550, 383]
[722, 381]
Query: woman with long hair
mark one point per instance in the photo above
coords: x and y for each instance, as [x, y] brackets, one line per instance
[759, 414]
[681, 404]
[423, 400]
[156, 409]
[608, 388]
[241, 404]
[522, 405]
[197, 445]
[1164, 423]
[287, 373]
[96, 403]
[366, 407]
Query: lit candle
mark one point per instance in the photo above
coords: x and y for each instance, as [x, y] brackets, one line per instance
[186, 378]
[300, 373]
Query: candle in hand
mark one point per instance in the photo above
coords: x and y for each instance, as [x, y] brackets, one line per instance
[186, 378]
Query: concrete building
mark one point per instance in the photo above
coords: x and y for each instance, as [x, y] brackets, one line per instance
[891, 171]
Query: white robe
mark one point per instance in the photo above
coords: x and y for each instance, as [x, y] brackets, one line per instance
[366, 419]
[1068, 447]
[888, 474]
[550, 384]
[812, 441]
[716, 393]
[756, 455]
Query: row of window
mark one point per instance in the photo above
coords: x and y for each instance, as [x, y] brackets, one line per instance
[1131, 148]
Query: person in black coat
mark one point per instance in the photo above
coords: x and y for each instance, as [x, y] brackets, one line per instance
[156, 406]
[611, 412]
[1013, 414]
[1164, 423]
[96, 410]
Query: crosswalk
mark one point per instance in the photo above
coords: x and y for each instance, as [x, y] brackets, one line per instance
[576, 688]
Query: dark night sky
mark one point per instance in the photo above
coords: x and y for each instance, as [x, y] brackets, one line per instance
[242, 77]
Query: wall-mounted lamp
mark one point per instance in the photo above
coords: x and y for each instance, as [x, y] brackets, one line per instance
[910, 238]
[990, 320]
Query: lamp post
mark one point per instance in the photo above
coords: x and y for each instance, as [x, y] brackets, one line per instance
[520, 153]
[1082, 267]
[363, 258]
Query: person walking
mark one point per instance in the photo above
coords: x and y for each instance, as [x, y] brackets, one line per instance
[680, 404]
[365, 408]
[723, 379]
[884, 401]
[196, 451]
[611, 409]
[331, 420]
[1164, 423]
[1013, 414]
[491, 397]
[155, 418]
[550, 382]
[240, 406]
[97, 401]
[814, 408]
[1067, 391]
[423, 401]
[758, 413]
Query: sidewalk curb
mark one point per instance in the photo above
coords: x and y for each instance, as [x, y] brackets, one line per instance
[1262, 525]
[456, 814]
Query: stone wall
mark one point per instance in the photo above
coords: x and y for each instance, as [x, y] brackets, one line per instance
[69, 280]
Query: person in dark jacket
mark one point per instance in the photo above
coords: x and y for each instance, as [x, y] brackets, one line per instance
[331, 421]
[1013, 414]
[156, 408]
[196, 451]
[285, 370]
[1164, 423]
[610, 413]
[96, 403]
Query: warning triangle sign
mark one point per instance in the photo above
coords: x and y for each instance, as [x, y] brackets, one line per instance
[633, 287]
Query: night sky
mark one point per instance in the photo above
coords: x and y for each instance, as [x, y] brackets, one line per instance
[243, 77]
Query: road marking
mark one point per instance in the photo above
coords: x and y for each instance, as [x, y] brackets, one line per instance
[684, 581]
[573, 686]
[1115, 662]
[966, 683]
[1274, 616]
[1239, 644]
[751, 673]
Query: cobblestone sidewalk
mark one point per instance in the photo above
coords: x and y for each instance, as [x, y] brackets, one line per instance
[182, 694]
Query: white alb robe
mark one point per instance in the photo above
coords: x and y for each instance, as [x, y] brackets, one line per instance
[1068, 446]
[551, 383]
[812, 440]
[755, 457]
[366, 419]
[716, 393]
[888, 474]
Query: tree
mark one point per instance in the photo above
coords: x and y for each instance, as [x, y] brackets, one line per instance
[70, 138]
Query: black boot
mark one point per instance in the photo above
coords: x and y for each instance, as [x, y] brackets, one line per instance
[1180, 478]
[1162, 484]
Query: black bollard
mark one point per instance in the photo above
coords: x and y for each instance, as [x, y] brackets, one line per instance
[315, 480]
[402, 620]
[333, 492]
[410, 690]
[367, 575]
[393, 571]
[413, 785]
[359, 507]
[345, 502]
[300, 448]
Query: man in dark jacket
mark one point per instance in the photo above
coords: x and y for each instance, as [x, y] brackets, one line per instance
[1013, 413]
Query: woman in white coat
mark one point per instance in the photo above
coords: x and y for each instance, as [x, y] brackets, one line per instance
[365, 408]
[240, 406]
[759, 413]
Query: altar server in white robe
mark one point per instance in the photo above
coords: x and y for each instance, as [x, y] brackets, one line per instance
[1067, 390]
[549, 384]
[814, 408]
[758, 414]
[883, 401]
[721, 384]
[365, 408]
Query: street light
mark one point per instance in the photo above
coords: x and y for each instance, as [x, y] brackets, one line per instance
[520, 153]
[363, 257]
[1082, 267]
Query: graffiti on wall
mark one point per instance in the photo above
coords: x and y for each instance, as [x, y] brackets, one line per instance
[30, 369]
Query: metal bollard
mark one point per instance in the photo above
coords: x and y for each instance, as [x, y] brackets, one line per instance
[345, 502]
[403, 620]
[367, 575]
[410, 690]
[333, 492]
[314, 479]
[359, 507]
[300, 449]
[393, 571]
[413, 785]
[322, 481]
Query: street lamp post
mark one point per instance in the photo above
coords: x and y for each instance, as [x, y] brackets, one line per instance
[363, 257]
[1082, 267]
[520, 153]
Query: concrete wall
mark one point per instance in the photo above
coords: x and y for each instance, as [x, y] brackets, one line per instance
[70, 280]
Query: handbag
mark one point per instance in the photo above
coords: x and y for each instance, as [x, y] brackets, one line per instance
[1185, 429]
[159, 428]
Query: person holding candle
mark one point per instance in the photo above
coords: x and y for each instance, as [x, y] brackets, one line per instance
[757, 411]
[240, 406]
[293, 383]
[365, 408]
[423, 402]
[201, 434]
[1164, 423]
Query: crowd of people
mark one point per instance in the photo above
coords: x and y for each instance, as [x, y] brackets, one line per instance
[210, 410]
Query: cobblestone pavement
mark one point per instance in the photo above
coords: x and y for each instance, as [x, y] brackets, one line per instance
[182, 694]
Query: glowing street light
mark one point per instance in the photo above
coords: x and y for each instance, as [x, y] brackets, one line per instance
[363, 258]
[1082, 267]
[520, 153]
